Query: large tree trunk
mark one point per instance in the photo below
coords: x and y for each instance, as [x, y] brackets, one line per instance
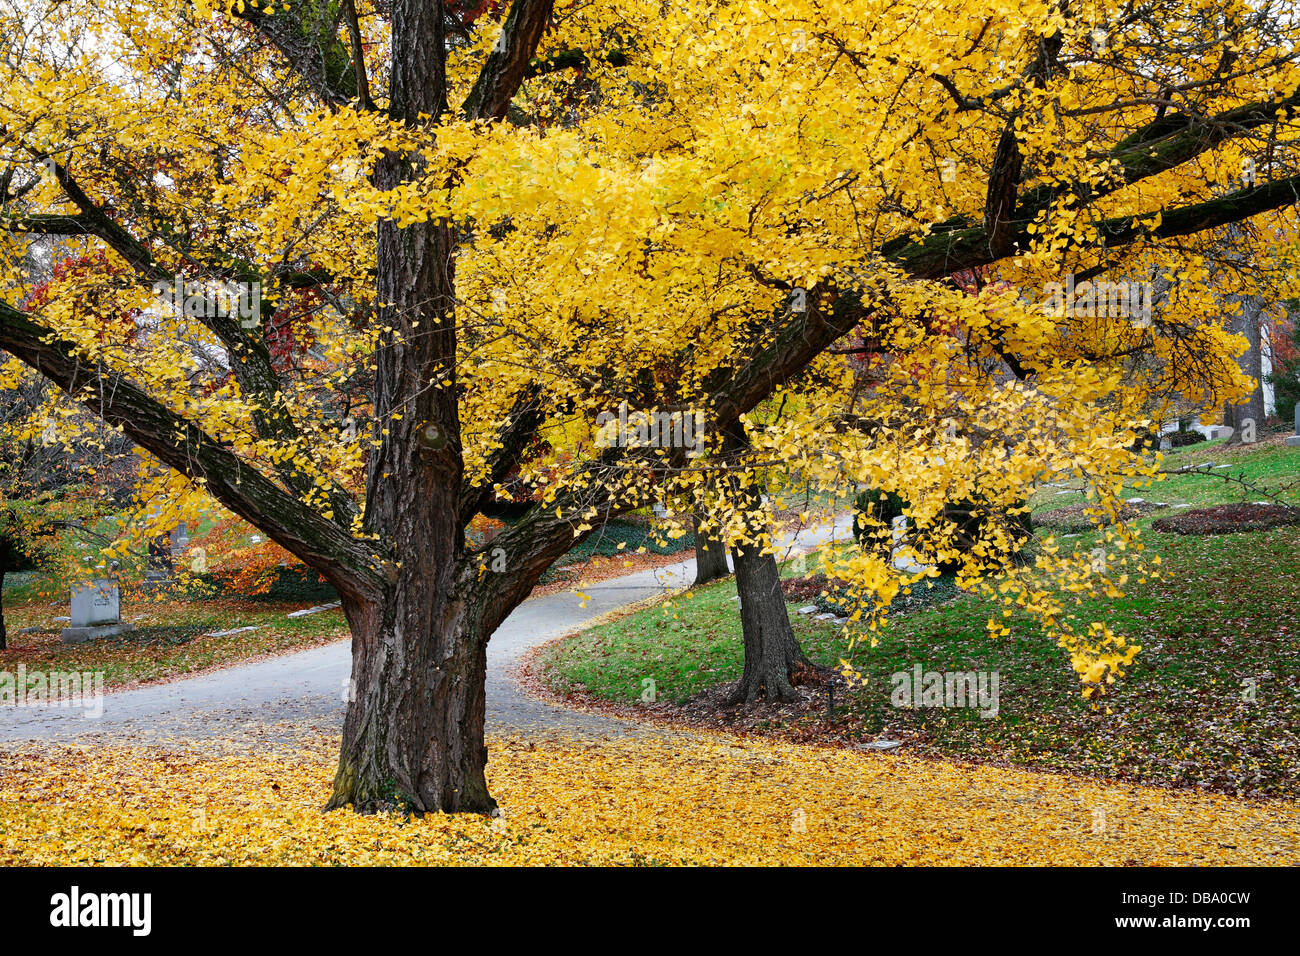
[413, 736]
[4, 645]
[772, 653]
[710, 557]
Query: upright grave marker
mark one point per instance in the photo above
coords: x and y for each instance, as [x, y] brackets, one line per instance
[96, 612]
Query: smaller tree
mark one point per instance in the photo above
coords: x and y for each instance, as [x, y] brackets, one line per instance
[1285, 377]
[710, 555]
[24, 537]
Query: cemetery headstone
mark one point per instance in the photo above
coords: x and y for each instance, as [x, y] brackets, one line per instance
[1294, 440]
[96, 612]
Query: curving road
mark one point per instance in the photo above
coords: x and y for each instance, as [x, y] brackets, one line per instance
[273, 699]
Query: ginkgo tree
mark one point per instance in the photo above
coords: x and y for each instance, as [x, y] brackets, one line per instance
[497, 226]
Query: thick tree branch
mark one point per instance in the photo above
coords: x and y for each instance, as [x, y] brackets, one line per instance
[942, 255]
[806, 335]
[184, 446]
[307, 35]
[509, 61]
[1163, 144]
[1008, 162]
[45, 224]
[250, 358]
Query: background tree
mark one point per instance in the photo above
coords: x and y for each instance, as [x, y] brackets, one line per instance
[20, 550]
[1240, 417]
[710, 555]
[1285, 377]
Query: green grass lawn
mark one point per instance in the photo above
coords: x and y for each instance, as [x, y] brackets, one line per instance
[1218, 629]
[1270, 467]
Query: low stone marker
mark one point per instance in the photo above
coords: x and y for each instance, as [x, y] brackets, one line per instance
[96, 612]
[232, 631]
[833, 618]
[1294, 440]
[314, 610]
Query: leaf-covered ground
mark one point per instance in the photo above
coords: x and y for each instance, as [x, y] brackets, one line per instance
[1212, 701]
[652, 799]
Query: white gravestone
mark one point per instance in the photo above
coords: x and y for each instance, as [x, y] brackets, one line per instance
[96, 612]
[1294, 440]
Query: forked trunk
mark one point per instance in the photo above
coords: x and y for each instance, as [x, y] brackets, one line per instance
[413, 735]
[772, 653]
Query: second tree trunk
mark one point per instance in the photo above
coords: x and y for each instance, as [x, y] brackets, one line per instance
[710, 557]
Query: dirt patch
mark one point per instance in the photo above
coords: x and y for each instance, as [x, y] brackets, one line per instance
[810, 587]
[1075, 520]
[1229, 519]
[817, 689]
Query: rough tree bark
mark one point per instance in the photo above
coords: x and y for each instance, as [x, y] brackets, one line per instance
[413, 735]
[773, 657]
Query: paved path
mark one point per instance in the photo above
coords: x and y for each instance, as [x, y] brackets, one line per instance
[308, 687]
